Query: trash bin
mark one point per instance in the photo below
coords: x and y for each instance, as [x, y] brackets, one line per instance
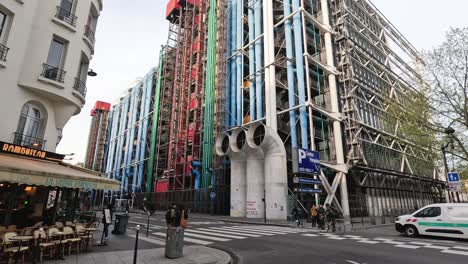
[120, 226]
[174, 242]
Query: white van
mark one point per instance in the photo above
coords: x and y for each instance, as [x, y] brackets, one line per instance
[447, 220]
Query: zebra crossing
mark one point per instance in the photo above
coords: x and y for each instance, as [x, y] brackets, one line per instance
[208, 235]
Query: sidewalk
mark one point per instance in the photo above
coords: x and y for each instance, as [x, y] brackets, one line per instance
[192, 255]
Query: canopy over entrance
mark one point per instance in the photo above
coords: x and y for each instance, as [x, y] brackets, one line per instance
[29, 171]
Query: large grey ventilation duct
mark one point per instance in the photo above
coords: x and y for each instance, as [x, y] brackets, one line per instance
[255, 177]
[275, 171]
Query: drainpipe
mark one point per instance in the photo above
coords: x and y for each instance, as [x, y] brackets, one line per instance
[239, 61]
[290, 73]
[196, 165]
[255, 177]
[300, 74]
[275, 171]
[233, 62]
[251, 60]
[228, 66]
[258, 59]
[238, 169]
[269, 58]
[335, 109]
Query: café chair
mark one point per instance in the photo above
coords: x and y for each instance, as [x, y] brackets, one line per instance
[72, 239]
[8, 246]
[42, 240]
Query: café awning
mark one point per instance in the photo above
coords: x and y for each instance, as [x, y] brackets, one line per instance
[29, 171]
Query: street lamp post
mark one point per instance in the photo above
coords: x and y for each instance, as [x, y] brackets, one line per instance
[449, 131]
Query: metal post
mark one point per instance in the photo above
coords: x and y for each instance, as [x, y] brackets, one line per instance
[446, 172]
[136, 245]
[264, 206]
[147, 224]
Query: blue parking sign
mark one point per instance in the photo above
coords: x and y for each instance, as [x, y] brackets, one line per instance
[306, 161]
[453, 177]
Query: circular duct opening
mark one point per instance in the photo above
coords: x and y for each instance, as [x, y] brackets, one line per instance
[259, 135]
[225, 144]
[240, 140]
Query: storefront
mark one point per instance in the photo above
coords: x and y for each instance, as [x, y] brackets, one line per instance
[37, 186]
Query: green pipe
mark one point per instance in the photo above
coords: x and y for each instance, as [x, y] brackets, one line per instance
[154, 130]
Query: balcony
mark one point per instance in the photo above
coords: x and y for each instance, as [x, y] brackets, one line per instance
[53, 73]
[80, 87]
[66, 16]
[3, 52]
[89, 33]
[28, 141]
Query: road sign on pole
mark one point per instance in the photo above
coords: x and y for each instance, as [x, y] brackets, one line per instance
[454, 183]
[453, 177]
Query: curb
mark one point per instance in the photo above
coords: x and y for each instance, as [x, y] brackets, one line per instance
[234, 257]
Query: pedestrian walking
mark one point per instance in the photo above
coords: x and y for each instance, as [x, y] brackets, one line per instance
[313, 215]
[321, 217]
[107, 220]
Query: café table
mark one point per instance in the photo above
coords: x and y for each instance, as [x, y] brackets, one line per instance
[20, 239]
[60, 234]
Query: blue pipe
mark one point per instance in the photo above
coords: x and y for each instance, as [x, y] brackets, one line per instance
[131, 134]
[137, 170]
[290, 73]
[258, 58]
[227, 116]
[233, 63]
[300, 73]
[251, 61]
[239, 59]
[196, 172]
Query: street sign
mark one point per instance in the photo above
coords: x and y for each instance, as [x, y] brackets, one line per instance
[306, 161]
[213, 195]
[453, 177]
[306, 180]
[455, 186]
[307, 190]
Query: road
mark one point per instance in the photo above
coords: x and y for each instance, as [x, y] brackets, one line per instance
[270, 244]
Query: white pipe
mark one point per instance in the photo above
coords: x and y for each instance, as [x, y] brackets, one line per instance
[276, 186]
[255, 177]
[334, 107]
[270, 82]
[238, 174]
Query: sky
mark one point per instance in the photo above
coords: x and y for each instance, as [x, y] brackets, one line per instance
[130, 34]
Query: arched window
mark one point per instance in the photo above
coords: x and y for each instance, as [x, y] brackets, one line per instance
[30, 125]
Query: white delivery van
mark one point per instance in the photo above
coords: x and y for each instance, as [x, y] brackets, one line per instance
[447, 220]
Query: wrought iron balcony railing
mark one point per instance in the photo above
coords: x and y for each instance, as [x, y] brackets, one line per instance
[80, 87]
[53, 73]
[3, 52]
[28, 141]
[66, 16]
[89, 33]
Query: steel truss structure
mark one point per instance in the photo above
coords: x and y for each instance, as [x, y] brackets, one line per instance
[96, 148]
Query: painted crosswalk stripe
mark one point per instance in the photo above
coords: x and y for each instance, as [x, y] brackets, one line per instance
[420, 243]
[221, 230]
[368, 241]
[266, 229]
[253, 231]
[336, 237]
[393, 242]
[352, 236]
[187, 233]
[464, 248]
[150, 240]
[436, 247]
[310, 235]
[288, 230]
[407, 246]
[215, 234]
[187, 239]
[457, 252]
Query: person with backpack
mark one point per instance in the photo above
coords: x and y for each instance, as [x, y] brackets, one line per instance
[321, 217]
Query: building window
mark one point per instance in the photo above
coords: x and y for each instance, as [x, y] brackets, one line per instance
[80, 80]
[29, 128]
[90, 27]
[65, 12]
[52, 69]
[3, 32]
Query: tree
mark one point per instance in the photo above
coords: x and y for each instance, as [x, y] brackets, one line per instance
[447, 76]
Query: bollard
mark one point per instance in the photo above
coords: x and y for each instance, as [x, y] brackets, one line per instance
[136, 245]
[147, 224]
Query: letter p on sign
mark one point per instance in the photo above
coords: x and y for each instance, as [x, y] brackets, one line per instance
[302, 155]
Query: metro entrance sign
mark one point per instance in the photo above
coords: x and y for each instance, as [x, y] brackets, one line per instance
[306, 161]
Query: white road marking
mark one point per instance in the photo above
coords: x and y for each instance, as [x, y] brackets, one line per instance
[354, 262]
[220, 230]
[393, 242]
[368, 241]
[421, 243]
[278, 229]
[255, 231]
[464, 248]
[215, 234]
[407, 246]
[310, 235]
[266, 229]
[187, 233]
[196, 241]
[336, 237]
[457, 252]
[436, 247]
[150, 240]
[352, 236]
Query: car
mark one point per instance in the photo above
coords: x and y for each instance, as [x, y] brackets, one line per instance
[444, 220]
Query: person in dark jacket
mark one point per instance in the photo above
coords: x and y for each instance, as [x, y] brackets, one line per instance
[174, 215]
[321, 217]
[104, 221]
